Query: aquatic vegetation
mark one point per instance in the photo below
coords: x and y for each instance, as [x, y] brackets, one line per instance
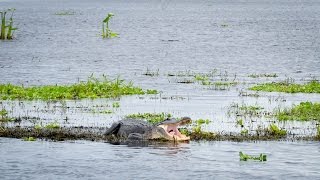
[4, 116]
[247, 94]
[105, 111]
[318, 131]
[29, 139]
[263, 75]
[225, 83]
[274, 130]
[202, 121]
[7, 29]
[288, 87]
[305, 111]
[248, 110]
[244, 132]
[151, 73]
[203, 79]
[65, 13]
[38, 126]
[115, 104]
[185, 81]
[153, 118]
[53, 125]
[92, 88]
[106, 32]
[240, 122]
[198, 134]
[245, 157]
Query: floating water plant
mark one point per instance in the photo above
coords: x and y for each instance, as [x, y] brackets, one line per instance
[203, 79]
[310, 87]
[274, 130]
[53, 125]
[150, 117]
[7, 29]
[202, 121]
[29, 139]
[305, 111]
[115, 104]
[92, 88]
[246, 157]
[106, 32]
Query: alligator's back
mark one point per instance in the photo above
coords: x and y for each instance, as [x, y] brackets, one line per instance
[127, 126]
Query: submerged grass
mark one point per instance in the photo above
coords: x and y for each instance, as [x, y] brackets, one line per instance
[92, 88]
[310, 87]
[305, 111]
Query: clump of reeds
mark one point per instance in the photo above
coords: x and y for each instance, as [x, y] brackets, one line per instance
[106, 32]
[7, 28]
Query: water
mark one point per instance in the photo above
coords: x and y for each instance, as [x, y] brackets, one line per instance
[231, 38]
[204, 160]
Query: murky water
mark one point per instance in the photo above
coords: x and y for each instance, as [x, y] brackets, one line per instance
[232, 39]
[204, 160]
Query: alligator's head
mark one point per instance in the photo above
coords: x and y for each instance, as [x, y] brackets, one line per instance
[168, 129]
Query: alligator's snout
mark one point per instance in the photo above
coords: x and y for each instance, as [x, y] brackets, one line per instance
[170, 127]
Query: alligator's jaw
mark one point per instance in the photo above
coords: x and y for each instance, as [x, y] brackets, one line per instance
[173, 133]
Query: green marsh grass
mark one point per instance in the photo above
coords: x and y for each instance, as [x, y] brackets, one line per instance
[4, 116]
[106, 32]
[305, 111]
[7, 29]
[153, 118]
[310, 87]
[53, 125]
[274, 130]
[92, 88]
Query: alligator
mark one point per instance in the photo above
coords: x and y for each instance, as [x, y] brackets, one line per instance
[134, 129]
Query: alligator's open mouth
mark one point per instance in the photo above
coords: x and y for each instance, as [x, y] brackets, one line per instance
[171, 128]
